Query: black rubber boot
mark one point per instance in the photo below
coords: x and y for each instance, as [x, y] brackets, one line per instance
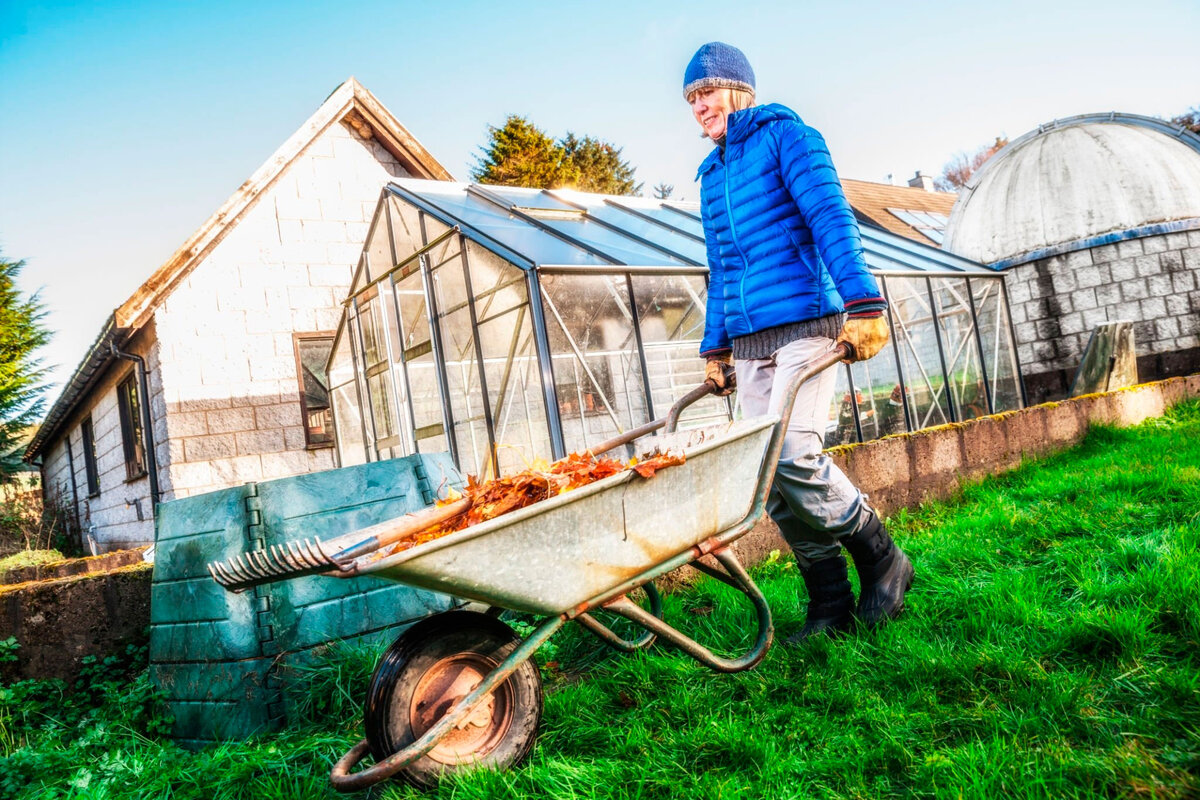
[830, 599]
[884, 573]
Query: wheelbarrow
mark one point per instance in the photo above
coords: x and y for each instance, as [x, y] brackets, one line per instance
[458, 690]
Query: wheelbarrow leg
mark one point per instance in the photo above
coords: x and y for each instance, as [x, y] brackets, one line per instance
[609, 637]
[345, 781]
[738, 578]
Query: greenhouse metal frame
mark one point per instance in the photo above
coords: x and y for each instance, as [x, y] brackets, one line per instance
[509, 326]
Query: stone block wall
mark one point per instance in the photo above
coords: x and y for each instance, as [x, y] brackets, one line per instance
[1058, 301]
[232, 398]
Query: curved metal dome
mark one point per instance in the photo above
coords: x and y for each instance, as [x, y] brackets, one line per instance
[1076, 183]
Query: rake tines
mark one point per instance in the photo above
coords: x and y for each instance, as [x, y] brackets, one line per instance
[279, 561]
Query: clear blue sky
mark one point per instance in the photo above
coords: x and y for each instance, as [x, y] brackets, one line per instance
[125, 125]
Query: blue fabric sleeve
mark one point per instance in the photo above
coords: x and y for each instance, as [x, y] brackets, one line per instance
[716, 339]
[808, 174]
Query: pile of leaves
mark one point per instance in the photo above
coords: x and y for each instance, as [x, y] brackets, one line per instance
[500, 496]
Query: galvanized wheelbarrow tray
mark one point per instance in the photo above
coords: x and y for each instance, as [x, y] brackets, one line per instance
[458, 689]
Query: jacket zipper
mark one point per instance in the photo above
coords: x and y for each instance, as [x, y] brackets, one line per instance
[738, 247]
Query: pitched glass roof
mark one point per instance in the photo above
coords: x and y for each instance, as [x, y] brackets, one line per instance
[564, 228]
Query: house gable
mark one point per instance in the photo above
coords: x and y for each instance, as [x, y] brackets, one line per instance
[215, 323]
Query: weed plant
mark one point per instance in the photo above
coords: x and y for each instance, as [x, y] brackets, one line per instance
[1050, 650]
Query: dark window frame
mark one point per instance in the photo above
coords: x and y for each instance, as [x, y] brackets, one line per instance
[132, 436]
[87, 436]
[297, 338]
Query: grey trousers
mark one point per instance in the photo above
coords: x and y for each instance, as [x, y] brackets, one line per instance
[811, 500]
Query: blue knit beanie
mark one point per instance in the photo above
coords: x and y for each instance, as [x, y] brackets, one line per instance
[718, 64]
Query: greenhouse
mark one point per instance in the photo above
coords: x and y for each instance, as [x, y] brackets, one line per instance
[509, 325]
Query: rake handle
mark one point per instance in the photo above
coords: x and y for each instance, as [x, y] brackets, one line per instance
[393, 530]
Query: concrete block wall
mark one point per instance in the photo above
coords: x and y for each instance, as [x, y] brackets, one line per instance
[120, 516]
[1057, 302]
[232, 393]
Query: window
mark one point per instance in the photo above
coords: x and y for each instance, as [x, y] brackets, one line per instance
[89, 456]
[312, 356]
[131, 428]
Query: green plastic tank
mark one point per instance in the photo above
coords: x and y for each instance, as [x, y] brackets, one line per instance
[226, 661]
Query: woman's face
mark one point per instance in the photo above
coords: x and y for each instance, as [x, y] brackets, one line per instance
[710, 107]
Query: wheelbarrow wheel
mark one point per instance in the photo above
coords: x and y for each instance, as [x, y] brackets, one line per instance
[431, 666]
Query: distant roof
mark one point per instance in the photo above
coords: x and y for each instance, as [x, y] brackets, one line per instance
[878, 203]
[569, 230]
[1076, 183]
[351, 102]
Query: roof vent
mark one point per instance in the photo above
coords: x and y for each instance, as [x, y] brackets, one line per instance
[550, 213]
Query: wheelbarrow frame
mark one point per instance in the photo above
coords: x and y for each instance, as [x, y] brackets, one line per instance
[616, 599]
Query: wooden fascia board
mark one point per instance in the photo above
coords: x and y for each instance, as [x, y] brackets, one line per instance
[396, 138]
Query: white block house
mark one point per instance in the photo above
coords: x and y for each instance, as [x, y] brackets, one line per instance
[212, 373]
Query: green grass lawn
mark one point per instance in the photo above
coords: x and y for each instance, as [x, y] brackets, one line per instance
[1050, 650]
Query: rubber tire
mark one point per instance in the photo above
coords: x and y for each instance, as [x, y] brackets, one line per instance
[389, 698]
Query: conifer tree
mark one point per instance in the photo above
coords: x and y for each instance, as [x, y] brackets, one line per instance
[21, 373]
[591, 165]
[519, 153]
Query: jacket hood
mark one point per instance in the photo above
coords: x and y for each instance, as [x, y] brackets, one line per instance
[741, 124]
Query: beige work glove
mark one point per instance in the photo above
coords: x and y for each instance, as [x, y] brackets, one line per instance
[866, 335]
[718, 372]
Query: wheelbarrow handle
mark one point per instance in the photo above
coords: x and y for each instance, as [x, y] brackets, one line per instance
[669, 421]
[840, 352]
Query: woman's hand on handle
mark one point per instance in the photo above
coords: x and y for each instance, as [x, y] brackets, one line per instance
[865, 335]
[719, 374]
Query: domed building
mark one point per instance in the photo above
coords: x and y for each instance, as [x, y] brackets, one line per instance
[1095, 219]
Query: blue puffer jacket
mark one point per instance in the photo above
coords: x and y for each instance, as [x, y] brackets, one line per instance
[783, 244]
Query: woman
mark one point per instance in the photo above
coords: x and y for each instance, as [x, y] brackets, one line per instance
[787, 279]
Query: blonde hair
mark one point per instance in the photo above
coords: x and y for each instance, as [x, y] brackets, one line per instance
[739, 100]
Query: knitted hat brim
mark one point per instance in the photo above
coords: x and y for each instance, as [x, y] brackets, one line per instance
[720, 83]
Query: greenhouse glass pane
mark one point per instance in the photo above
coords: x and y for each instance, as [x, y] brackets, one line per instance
[496, 222]
[998, 351]
[466, 394]
[961, 347]
[424, 390]
[916, 337]
[515, 390]
[597, 370]
[612, 243]
[379, 246]
[667, 216]
[671, 313]
[341, 363]
[373, 330]
[414, 321]
[449, 282]
[497, 285]
[877, 387]
[406, 228]
[839, 426]
[675, 242]
[348, 419]
[380, 395]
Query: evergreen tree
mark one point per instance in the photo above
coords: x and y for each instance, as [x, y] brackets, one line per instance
[519, 153]
[21, 374]
[591, 165]
[663, 190]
